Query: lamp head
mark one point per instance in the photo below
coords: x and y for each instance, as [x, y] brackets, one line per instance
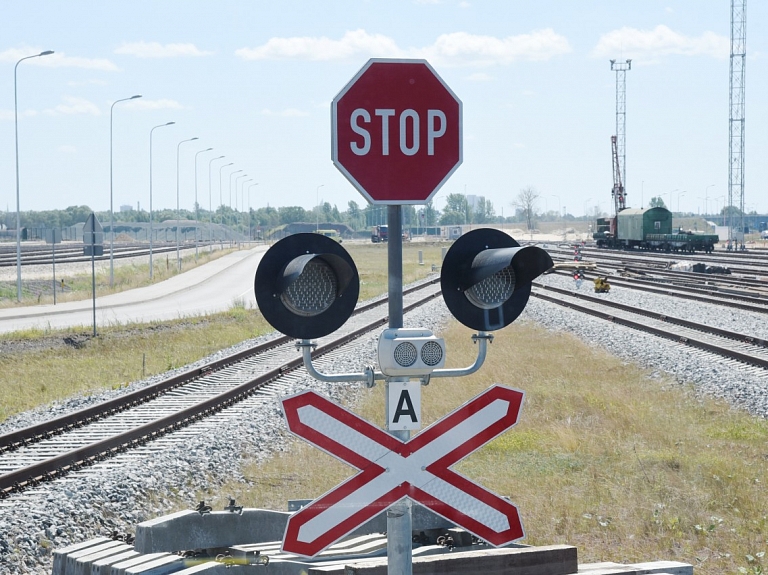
[134, 97]
[46, 53]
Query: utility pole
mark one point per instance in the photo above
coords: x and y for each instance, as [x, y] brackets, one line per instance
[736, 118]
[621, 69]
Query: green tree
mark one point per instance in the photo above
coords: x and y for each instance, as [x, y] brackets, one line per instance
[656, 202]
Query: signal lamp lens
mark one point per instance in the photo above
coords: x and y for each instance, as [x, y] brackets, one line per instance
[494, 290]
[313, 291]
[405, 354]
[431, 353]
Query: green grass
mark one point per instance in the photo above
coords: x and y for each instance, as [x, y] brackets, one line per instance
[606, 458]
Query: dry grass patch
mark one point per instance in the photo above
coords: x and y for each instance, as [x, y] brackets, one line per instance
[625, 466]
[118, 356]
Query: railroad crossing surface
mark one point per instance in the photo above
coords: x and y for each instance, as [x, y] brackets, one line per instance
[210, 288]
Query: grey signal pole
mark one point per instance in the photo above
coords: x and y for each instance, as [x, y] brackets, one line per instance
[399, 515]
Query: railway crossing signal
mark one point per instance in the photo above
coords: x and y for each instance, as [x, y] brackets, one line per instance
[396, 131]
[306, 286]
[486, 278]
[391, 469]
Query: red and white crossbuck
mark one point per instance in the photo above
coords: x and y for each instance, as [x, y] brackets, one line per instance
[391, 469]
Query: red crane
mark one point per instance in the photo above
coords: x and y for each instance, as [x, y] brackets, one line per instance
[619, 199]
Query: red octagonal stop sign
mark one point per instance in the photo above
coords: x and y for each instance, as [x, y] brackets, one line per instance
[396, 130]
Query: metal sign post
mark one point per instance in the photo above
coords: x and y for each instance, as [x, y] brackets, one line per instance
[93, 240]
[399, 515]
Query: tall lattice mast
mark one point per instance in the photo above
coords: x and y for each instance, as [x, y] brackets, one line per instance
[621, 115]
[736, 117]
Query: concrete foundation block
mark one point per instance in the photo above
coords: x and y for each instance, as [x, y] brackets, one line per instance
[191, 530]
[72, 568]
[663, 567]
[83, 564]
[120, 568]
[60, 555]
[104, 566]
[160, 566]
[546, 560]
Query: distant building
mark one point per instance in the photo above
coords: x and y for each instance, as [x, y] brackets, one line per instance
[126, 208]
[474, 201]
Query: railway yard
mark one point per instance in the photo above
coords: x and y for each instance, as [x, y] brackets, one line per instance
[85, 466]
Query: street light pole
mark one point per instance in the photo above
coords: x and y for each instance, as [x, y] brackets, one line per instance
[242, 196]
[234, 214]
[178, 209]
[150, 194]
[230, 191]
[706, 197]
[111, 208]
[18, 203]
[221, 186]
[197, 209]
[210, 206]
[249, 209]
[317, 202]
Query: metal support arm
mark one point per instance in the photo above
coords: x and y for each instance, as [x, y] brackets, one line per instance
[369, 375]
[483, 338]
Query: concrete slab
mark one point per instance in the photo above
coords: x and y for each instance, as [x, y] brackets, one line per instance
[546, 560]
[60, 555]
[104, 566]
[664, 567]
[119, 568]
[160, 566]
[72, 558]
[83, 564]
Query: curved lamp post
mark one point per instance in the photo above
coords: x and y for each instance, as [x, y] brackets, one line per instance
[150, 193]
[317, 203]
[237, 183]
[249, 209]
[111, 209]
[18, 204]
[178, 210]
[210, 204]
[221, 186]
[197, 209]
[242, 196]
[230, 188]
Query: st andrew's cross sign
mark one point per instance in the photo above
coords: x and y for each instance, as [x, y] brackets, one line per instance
[390, 469]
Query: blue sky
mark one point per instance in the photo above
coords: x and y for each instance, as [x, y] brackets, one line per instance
[254, 80]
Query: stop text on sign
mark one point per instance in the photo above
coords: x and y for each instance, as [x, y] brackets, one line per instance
[396, 131]
[408, 127]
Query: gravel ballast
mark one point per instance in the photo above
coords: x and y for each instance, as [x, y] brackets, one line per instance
[80, 508]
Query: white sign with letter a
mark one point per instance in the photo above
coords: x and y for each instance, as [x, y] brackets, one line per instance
[404, 405]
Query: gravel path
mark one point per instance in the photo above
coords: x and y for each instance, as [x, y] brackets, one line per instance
[80, 509]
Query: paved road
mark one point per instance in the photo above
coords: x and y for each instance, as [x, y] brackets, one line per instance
[210, 288]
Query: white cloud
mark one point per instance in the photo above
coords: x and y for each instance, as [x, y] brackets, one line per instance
[661, 41]
[75, 105]
[480, 77]
[287, 113]
[157, 50]
[460, 48]
[8, 114]
[57, 60]
[465, 5]
[352, 44]
[162, 104]
[67, 149]
[457, 49]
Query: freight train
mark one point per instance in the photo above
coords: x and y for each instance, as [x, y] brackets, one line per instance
[649, 229]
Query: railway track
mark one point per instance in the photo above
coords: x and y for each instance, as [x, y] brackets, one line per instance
[74, 253]
[106, 434]
[98, 435]
[723, 343]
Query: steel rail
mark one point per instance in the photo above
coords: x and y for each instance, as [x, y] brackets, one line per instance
[714, 297]
[61, 464]
[666, 334]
